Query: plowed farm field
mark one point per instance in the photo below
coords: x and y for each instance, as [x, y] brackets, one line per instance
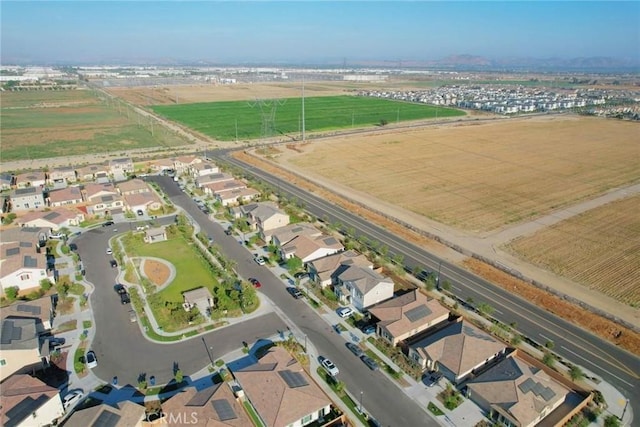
[599, 249]
[481, 177]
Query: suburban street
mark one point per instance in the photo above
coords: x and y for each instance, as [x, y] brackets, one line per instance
[616, 366]
[381, 398]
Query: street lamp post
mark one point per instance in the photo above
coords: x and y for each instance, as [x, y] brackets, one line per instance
[206, 347]
[438, 278]
[361, 393]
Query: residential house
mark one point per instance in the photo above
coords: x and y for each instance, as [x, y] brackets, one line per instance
[310, 248]
[124, 414]
[281, 391]
[233, 197]
[143, 201]
[266, 217]
[105, 205]
[6, 181]
[62, 175]
[283, 235]
[161, 165]
[515, 392]
[92, 172]
[153, 235]
[213, 406]
[457, 350]
[65, 196]
[362, 287]
[21, 349]
[184, 163]
[93, 192]
[216, 187]
[407, 315]
[22, 265]
[200, 297]
[133, 186]
[324, 271]
[121, 167]
[204, 180]
[23, 199]
[29, 402]
[41, 309]
[54, 219]
[203, 168]
[31, 179]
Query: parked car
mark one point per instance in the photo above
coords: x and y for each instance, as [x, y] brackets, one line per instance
[107, 224]
[369, 329]
[329, 366]
[355, 349]
[91, 359]
[301, 275]
[72, 399]
[344, 311]
[119, 288]
[372, 364]
[258, 259]
[255, 282]
[132, 316]
[113, 263]
[228, 231]
[295, 292]
[140, 212]
[55, 342]
[109, 251]
[57, 236]
[124, 298]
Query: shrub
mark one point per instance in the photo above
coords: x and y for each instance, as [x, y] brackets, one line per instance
[11, 292]
[45, 284]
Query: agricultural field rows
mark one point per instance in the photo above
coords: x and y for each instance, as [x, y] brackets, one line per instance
[254, 119]
[599, 249]
[484, 177]
[43, 124]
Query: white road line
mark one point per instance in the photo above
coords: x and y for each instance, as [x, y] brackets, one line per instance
[547, 338]
[591, 362]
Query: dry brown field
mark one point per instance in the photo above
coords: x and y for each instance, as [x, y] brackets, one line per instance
[483, 176]
[218, 93]
[599, 249]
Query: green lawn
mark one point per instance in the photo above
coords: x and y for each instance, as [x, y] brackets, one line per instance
[192, 270]
[221, 120]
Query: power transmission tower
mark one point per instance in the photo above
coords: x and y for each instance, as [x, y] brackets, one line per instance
[268, 108]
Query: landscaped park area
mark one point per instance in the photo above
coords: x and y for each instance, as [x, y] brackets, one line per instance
[43, 124]
[193, 269]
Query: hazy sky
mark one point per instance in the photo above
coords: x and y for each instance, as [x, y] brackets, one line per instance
[315, 31]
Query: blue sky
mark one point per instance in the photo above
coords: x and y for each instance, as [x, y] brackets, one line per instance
[315, 31]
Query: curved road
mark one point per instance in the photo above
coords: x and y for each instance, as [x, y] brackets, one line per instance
[615, 365]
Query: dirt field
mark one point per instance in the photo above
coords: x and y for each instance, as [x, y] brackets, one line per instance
[605, 328]
[483, 177]
[156, 271]
[599, 248]
[236, 92]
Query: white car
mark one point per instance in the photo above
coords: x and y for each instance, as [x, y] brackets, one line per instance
[259, 260]
[344, 312]
[72, 399]
[92, 362]
[109, 252]
[330, 367]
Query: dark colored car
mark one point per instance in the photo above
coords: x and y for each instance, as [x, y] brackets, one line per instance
[124, 298]
[301, 275]
[113, 263]
[255, 282]
[119, 288]
[355, 349]
[108, 223]
[140, 212]
[295, 292]
[372, 364]
[368, 329]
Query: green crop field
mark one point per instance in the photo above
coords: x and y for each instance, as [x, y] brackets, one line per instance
[227, 121]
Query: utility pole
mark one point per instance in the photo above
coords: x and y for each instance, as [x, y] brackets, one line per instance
[438, 278]
[361, 393]
[303, 135]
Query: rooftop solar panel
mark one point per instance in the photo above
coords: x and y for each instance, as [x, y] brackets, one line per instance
[12, 251]
[28, 308]
[27, 406]
[107, 419]
[29, 261]
[202, 396]
[224, 409]
[418, 313]
[293, 379]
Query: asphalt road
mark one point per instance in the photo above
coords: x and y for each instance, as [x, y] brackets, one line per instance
[380, 397]
[615, 365]
[120, 347]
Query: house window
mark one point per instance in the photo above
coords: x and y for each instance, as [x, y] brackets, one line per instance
[3, 362]
[24, 277]
[307, 419]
